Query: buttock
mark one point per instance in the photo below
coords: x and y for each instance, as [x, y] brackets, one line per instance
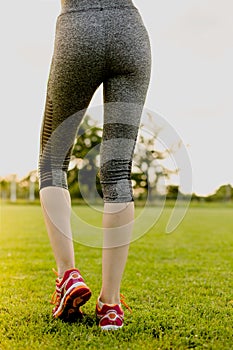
[114, 39]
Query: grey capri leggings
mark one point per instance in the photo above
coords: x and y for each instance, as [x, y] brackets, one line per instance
[96, 42]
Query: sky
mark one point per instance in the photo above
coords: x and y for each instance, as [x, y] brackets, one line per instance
[191, 83]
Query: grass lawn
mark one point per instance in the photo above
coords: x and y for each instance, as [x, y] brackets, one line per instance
[178, 285]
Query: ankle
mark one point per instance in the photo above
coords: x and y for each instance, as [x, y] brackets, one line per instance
[63, 269]
[112, 300]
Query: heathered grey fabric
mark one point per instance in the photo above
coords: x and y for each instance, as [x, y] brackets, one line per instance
[96, 42]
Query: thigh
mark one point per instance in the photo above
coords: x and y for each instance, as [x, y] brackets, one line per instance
[124, 97]
[121, 122]
[75, 74]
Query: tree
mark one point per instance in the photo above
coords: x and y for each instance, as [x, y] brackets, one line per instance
[223, 193]
[28, 186]
[147, 163]
[4, 188]
[83, 175]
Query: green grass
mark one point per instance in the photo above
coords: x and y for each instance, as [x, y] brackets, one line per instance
[179, 286]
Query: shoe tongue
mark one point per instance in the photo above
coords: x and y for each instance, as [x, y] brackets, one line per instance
[75, 274]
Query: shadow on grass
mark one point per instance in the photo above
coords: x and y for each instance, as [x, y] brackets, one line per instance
[85, 320]
[53, 325]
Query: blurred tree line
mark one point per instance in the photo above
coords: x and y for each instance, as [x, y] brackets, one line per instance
[83, 174]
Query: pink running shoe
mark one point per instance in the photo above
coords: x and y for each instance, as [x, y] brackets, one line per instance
[111, 316]
[71, 292]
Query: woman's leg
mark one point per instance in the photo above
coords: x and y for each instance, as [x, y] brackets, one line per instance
[75, 74]
[125, 90]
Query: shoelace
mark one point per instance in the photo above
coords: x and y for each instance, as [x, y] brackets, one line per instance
[122, 300]
[56, 273]
[55, 299]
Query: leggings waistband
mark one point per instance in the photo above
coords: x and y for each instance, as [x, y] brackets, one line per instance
[83, 5]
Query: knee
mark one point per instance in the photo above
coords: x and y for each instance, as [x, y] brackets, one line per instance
[116, 182]
[52, 177]
[51, 174]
